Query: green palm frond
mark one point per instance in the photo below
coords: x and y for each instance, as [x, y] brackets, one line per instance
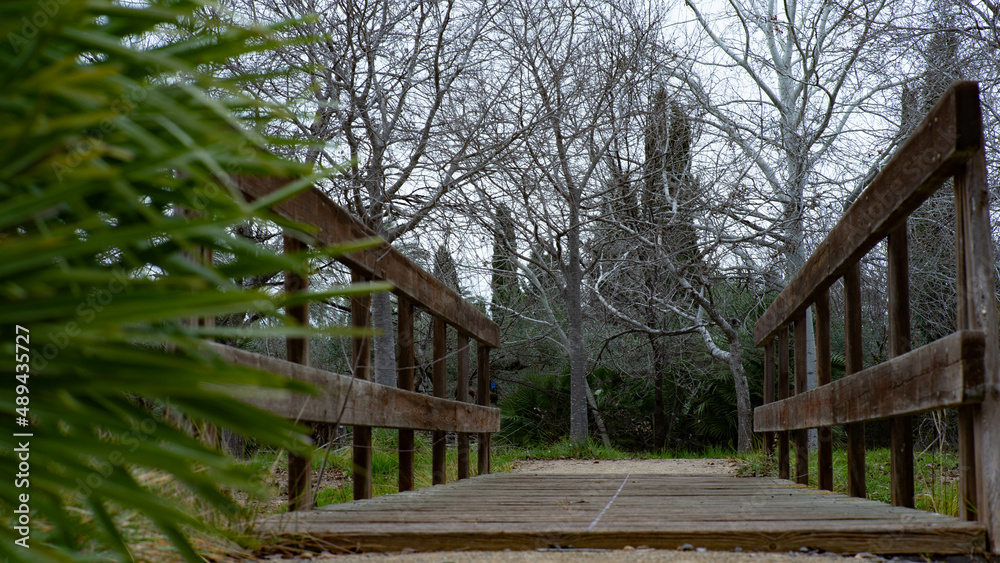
[113, 117]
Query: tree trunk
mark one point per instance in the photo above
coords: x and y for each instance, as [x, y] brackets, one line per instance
[385, 344]
[674, 404]
[578, 431]
[598, 420]
[744, 412]
[659, 426]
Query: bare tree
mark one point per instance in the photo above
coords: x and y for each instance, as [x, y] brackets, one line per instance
[386, 97]
[812, 77]
[654, 262]
[574, 67]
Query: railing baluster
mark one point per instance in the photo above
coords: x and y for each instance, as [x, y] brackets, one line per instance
[439, 447]
[783, 461]
[978, 425]
[361, 361]
[462, 394]
[207, 433]
[801, 435]
[405, 360]
[769, 390]
[968, 490]
[968, 495]
[853, 358]
[483, 398]
[900, 428]
[297, 351]
[823, 376]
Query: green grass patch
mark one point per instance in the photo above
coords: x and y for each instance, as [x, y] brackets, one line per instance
[594, 449]
[935, 479]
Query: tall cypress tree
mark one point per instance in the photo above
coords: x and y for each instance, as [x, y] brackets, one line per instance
[503, 280]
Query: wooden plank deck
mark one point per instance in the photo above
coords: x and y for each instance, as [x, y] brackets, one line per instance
[528, 511]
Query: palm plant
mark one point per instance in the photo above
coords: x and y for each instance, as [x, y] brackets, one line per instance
[110, 123]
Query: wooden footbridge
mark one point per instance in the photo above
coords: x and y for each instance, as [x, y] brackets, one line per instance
[524, 511]
[612, 511]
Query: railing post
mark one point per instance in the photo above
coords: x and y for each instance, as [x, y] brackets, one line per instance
[979, 426]
[405, 360]
[361, 362]
[801, 435]
[769, 390]
[439, 445]
[207, 433]
[483, 398]
[297, 350]
[462, 394]
[853, 352]
[900, 428]
[783, 461]
[823, 376]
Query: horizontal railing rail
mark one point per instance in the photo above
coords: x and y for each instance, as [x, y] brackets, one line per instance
[960, 370]
[342, 399]
[946, 373]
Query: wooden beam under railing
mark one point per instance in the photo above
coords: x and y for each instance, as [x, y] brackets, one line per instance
[943, 374]
[350, 401]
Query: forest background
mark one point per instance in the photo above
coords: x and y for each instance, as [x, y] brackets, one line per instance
[623, 186]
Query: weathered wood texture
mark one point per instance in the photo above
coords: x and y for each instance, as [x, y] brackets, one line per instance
[300, 496]
[977, 306]
[462, 395]
[824, 455]
[900, 428]
[520, 512]
[361, 361]
[948, 136]
[336, 226]
[439, 445]
[405, 364]
[344, 400]
[483, 398]
[853, 363]
[945, 373]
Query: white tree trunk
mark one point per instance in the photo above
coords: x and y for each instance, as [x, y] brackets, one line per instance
[598, 419]
[811, 371]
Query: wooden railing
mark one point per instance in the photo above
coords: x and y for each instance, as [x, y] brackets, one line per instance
[959, 370]
[356, 401]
